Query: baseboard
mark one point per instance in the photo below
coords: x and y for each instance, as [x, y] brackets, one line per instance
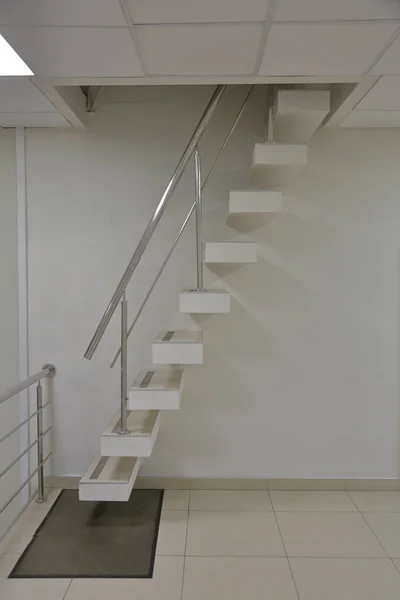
[217, 483]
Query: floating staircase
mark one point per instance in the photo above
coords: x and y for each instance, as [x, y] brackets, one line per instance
[112, 474]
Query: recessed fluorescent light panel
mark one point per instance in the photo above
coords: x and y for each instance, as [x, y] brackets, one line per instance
[10, 63]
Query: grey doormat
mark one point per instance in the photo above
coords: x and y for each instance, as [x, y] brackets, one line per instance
[95, 539]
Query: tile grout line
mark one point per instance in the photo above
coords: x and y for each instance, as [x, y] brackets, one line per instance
[372, 531]
[184, 553]
[284, 547]
[67, 590]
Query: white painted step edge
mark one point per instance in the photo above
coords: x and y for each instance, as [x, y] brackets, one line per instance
[254, 202]
[143, 426]
[230, 252]
[204, 301]
[109, 479]
[184, 347]
[156, 389]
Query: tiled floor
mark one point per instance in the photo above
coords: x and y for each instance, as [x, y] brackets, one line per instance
[240, 545]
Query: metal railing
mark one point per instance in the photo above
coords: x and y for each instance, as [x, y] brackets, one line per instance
[47, 371]
[119, 294]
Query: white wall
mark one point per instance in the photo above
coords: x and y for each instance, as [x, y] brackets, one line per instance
[9, 373]
[301, 379]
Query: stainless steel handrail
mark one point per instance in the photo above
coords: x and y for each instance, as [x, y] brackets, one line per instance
[47, 371]
[142, 245]
[182, 229]
[23, 385]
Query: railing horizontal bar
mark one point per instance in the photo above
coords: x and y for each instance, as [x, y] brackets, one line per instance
[24, 422]
[139, 312]
[148, 233]
[161, 269]
[23, 385]
[25, 452]
[24, 484]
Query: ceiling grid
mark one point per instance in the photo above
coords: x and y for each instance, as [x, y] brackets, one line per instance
[99, 42]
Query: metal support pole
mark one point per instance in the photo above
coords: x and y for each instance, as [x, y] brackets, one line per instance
[124, 366]
[199, 221]
[270, 114]
[40, 498]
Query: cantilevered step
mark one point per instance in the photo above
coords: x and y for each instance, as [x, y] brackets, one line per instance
[204, 301]
[249, 209]
[274, 164]
[156, 389]
[237, 253]
[109, 479]
[143, 427]
[176, 347]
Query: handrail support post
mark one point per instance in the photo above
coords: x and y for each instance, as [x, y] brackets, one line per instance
[124, 367]
[40, 498]
[271, 100]
[199, 221]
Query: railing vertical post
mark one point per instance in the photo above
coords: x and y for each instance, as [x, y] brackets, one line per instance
[40, 498]
[270, 114]
[124, 366]
[199, 220]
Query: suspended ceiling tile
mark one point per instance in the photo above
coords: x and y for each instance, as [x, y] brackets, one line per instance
[323, 49]
[197, 11]
[200, 50]
[385, 95]
[340, 10]
[389, 64]
[33, 119]
[75, 51]
[21, 96]
[372, 118]
[61, 12]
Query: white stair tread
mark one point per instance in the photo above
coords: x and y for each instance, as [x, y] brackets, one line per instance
[178, 347]
[230, 252]
[143, 427]
[109, 478]
[279, 154]
[245, 202]
[180, 336]
[140, 423]
[204, 301]
[158, 380]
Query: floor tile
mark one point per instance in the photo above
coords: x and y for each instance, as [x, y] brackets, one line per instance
[176, 500]
[21, 533]
[377, 501]
[346, 579]
[166, 584]
[51, 495]
[326, 534]
[231, 533]
[397, 563]
[230, 500]
[306, 484]
[217, 483]
[7, 563]
[33, 589]
[237, 579]
[172, 533]
[372, 484]
[311, 501]
[162, 483]
[386, 527]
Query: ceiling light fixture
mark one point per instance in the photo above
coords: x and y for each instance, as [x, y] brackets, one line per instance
[11, 65]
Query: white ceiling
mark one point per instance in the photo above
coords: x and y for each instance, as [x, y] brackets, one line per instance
[324, 48]
[95, 41]
[144, 38]
[21, 103]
